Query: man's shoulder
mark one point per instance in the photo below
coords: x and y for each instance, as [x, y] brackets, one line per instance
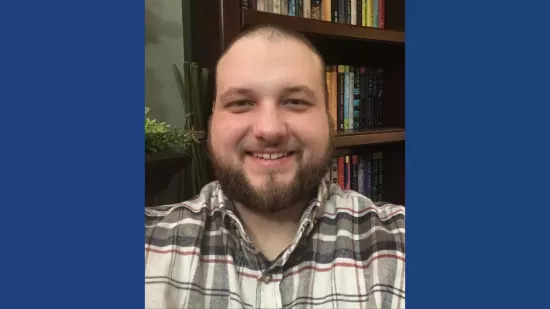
[360, 206]
[190, 211]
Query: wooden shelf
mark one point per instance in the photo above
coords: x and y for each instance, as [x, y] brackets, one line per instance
[322, 28]
[352, 138]
[160, 168]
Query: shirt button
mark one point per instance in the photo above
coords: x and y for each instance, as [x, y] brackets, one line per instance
[266, 278]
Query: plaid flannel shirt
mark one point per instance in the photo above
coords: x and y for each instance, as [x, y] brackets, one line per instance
[348, 253]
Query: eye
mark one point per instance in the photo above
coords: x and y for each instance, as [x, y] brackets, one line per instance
[240, 105]
[296, 103]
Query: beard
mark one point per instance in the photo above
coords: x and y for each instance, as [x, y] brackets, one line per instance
[273, 196]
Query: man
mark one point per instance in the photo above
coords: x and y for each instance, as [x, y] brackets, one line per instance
[270, 233]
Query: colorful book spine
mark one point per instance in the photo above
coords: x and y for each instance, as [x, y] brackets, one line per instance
[366, 13]
[354, 173]
[351, 98]
[334, 95]
[375, 13]
[341, 91]
[361, 175]
[346, 97]
[355, 96]
[347, 173]
[381, 13]
[361, 172]
[292, 7]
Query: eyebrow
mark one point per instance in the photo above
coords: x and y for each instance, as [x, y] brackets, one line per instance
[248, 92]
[236, 91]
[297, 89]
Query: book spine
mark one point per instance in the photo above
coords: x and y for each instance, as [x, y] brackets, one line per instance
[291, 7]
[334, 95]
[382, 13]
[368, 175]
[374, 176]
[354, 173]
[342, 11]
[334, 171]
[370, 98]
[369, 13]
[375, 13]
[277, 6]
[362, 97]
[341, 72]
[300, 8]
[307, 8]
[364, 11]
[351, 97]
[356, 96]
[348, 12]
[316, 12]
[359, 12]
[328, 82]
[284, 7]
[341, 166]
[380, 175]
[376, 104]
[354, 12]
[347, 173]
[327, 10]
[380, 102]
[346, 97]
[361, 175]
[334, 5]
[260, 5]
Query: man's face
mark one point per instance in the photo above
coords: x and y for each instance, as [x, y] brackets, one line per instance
[270, 134]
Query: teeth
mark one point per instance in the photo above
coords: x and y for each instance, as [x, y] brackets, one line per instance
[270, 156]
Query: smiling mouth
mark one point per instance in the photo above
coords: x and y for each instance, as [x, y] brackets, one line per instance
[270, 156]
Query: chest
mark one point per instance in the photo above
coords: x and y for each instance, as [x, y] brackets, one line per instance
[318, 274]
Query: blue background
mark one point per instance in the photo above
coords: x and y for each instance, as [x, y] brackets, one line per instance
[477, 157]
[72, 189]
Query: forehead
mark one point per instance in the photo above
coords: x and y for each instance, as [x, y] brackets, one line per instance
[260, 61]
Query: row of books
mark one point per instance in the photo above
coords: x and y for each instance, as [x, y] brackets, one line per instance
[363, 173]
[355, 96]
[367, 13]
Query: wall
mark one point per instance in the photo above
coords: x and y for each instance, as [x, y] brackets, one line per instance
[163, 48]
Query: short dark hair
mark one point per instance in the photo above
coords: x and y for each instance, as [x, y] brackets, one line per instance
[276, 32]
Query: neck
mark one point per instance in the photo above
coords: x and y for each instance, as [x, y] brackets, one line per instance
[270, 233]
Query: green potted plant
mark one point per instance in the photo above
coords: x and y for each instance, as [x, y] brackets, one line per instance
[168, 150]
[166, 153]
[161, 138]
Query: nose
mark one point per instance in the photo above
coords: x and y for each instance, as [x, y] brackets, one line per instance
[270, 125]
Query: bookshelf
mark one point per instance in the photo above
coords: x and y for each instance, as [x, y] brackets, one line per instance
[250, 17]
[216, 23]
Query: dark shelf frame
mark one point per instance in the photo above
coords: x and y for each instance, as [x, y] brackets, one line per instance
[322, 28]
[354, 138]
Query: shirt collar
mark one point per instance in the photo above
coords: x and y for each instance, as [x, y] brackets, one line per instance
[307, 222]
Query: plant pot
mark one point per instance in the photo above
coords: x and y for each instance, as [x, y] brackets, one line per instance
[160, 168]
